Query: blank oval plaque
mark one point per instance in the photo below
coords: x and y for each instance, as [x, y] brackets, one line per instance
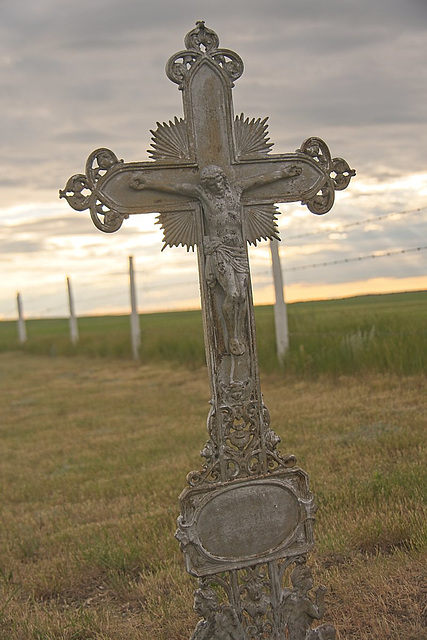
[249, 520]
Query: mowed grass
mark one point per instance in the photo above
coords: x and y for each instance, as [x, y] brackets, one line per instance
[380, 333]
[95, 449]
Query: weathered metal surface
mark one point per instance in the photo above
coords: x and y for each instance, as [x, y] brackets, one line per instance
[228, 526]
[247, 515]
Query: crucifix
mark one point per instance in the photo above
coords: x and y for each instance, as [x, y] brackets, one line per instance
[246, 521]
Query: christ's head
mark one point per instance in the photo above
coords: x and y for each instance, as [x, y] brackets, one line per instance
[213, 180]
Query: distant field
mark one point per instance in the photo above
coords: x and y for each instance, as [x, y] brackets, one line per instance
[376, 333]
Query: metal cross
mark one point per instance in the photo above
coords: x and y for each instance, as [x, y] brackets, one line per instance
[247, 515]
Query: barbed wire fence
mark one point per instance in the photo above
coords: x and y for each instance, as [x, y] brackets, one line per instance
[286, 268]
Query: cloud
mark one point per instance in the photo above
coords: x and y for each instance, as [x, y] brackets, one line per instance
[81, 75]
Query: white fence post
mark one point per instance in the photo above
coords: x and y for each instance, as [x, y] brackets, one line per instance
[22, 331]
[74, 330]
[134, 318]
[280, 312]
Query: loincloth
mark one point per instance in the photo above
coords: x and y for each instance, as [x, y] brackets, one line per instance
[219, 256]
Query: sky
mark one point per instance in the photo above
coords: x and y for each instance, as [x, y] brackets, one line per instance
[78, 75]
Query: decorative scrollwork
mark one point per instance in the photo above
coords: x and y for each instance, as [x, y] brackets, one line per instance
[104, 218]
[99, 162]
[77, 192]
[322, 202]
[81, 191]
[230, 62]
[337, 175]
[256, 601]
[201, 38]
[341, 173]
[202, 42]
[241, 443]
[178, 66]
[210, 474]
[275, 459]
[318, 151]
[240, 429]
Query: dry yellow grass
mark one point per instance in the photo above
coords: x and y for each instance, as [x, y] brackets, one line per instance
[95, 453]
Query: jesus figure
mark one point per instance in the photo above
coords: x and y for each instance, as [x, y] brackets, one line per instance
[223, 242]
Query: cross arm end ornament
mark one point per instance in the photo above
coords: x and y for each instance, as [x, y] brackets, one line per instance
[337, 175]
[310, 176]
[82, 191]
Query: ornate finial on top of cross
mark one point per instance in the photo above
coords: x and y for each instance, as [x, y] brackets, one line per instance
[200, 36]
[202, 41]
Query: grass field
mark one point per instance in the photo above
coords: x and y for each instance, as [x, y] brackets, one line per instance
[95, 451]
[383, 333]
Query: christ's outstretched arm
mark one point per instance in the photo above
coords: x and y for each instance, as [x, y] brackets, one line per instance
[259, 181]
[140, 182]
